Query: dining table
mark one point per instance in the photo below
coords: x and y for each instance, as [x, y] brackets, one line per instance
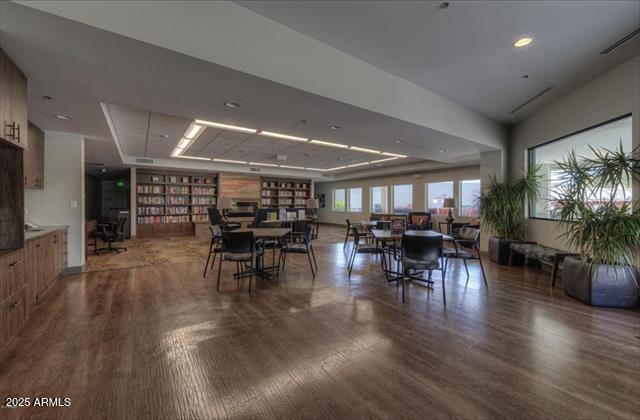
[265, 234]
[389, 240]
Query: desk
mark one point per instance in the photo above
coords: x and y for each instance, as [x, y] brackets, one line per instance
[265, 233]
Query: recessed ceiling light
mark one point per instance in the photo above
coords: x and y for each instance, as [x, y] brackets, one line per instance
[164, 136]
[227, 126]
[230, 104]
[523, 42]
[193, 131]
[316, 169]
[64, 117]
[444, 5]
[337, 168]
[282, 136]
[357, 164]
[262, 164]
[526, 76]
[291, 167]
[335, 127]
[193, 157]
[229, 161]
[394, 155]
[384, 160]
[47, 97]
[399, 141]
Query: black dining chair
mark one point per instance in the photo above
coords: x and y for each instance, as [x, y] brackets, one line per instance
[299, 243]
[215, 247]
[241, 248]
[272, 244]
[362, 246]
[422, 253]
[468, 238]
[215, 217]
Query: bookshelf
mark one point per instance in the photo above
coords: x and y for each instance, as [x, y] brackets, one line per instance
[284, 193]
[169, 203]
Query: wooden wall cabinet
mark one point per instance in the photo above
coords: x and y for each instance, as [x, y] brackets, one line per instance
[34, 159]
[25, 276]
[13, 103]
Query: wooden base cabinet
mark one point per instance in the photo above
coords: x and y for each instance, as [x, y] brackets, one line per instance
[25, 276]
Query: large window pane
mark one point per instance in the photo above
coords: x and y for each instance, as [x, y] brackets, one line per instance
[607, 136]
[339, 199]
[436, 193]
[402, 198]
[355, 199]
[469, 192]
[379, 200]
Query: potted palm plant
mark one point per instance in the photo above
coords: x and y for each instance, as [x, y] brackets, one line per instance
[502, 206]
[601, 223]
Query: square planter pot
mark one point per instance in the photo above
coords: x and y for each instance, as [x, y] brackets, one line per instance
[499, 251]
[604, 285]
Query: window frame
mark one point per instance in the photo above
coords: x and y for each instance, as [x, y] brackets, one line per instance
[426, 196]
[333, 200]
[529, 157]
[386, 196]
[393, 197]
[459, 209]
[349, 203]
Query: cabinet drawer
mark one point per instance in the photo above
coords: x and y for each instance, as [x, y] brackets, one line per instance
[12, 275]
[12, 316]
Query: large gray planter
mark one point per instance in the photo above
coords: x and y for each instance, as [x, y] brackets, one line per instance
[604, 285]
[499, 250]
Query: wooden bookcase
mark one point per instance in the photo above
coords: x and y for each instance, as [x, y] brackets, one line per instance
[168, 203]
[283, 192]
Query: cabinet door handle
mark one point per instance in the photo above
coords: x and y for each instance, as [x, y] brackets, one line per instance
[18, 130]
[37, 245]
[13, 264]
[12, 133]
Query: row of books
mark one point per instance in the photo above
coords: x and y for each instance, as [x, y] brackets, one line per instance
[203, 190]
[149, 211]
[177, 210]
[177, 200]
[178, 179]
[201, 218]
[202, 180]
[155, 220]
[302, 193]
[203, 200]
[150, 200]
[150, 189]
[177, 190]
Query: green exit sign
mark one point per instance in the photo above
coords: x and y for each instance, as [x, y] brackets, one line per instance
[120, 183]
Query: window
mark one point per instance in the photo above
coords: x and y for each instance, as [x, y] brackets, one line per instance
[436, 193]
[469, 193]
[608, 135]
[339, 199]
[402, 198]
[355, 199]
[379, 200]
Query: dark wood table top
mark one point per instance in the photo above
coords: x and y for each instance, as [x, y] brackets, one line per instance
[266, 232]
[388, 234]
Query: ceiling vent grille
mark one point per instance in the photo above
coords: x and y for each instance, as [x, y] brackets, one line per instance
[528, 101]
[144, 160]
[254, 169]
[620, 42]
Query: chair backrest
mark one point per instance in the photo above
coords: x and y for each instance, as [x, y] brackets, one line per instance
[216, 231]
[238, 242]
[121, 224]
[469, 234]
[421, 248]
[348, 223]
[214, 216]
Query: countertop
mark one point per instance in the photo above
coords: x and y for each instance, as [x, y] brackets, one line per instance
[45, 230]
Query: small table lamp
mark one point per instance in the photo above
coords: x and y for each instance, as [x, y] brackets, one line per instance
[312, 205]
[449, 203]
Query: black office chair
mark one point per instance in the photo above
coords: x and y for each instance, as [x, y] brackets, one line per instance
[109, 233]
[422, 253]
[467, 238]
[362, 246]
[241, 248]
[215, 247]
[299, 243]
[215, 217]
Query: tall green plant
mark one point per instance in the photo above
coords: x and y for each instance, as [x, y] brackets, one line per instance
[602, 227]
[502, 204]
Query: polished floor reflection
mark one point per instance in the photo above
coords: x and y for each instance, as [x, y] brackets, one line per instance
[160, 342]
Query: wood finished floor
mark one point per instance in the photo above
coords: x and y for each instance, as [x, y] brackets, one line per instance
[160, 342]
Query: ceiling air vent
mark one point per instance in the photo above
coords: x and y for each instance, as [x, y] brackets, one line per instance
[528, 101]
[327, 175]
[144, 160]
[254, 169]
[620, 42]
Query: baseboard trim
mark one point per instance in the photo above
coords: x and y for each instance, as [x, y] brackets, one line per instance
[73, 270]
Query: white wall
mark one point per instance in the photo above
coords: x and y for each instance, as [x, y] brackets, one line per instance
[64, 184]
[611, 95]
[327, 215]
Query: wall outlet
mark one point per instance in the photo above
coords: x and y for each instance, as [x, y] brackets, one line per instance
[73, 204]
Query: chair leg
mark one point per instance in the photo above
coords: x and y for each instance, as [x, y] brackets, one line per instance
[464, 260]
[313, 273]
[313, 254]
[554, 271]
[251, 272]
[208, 258]
[402, 275]
[444, 293]
[346, 239]
[219, 270]
[484, 277]
[213, 260]
[352, 260]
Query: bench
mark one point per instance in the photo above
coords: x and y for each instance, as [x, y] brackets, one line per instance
[543, 254]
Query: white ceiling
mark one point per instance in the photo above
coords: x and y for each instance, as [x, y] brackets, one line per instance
[465, 52]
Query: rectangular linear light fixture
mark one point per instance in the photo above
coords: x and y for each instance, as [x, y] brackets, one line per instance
[328, 143]
[282, 136]
[197, 127]
[362, 149]
[229, 161]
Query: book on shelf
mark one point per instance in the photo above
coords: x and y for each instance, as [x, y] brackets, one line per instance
[150, 200]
